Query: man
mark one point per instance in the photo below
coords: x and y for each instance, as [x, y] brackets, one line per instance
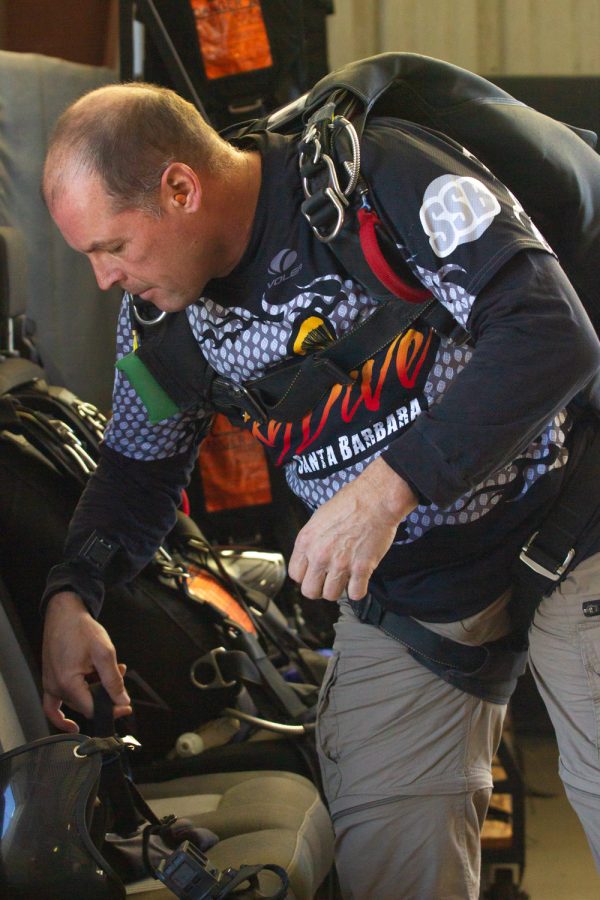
[426, 466]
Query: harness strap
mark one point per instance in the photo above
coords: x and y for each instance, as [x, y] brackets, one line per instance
[271, 677]
[317, 372]
[114, 787]
[489, 671]
[185, 383]
[435, 647]
[562, 539]
[55, 439]
[292, 390]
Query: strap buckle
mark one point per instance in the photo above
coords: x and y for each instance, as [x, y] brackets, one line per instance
[460, 337]
[367, 610]
[237, 396]
[210, 663]
[552, 574]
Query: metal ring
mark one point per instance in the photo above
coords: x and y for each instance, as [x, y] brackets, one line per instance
[353, 168]
[147, 323]
[337, 204]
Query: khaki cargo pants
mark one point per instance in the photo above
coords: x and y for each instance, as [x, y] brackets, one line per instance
[406, 763]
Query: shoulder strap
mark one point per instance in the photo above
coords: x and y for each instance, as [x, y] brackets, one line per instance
[163, 388]
[469, 110]
[186, 382]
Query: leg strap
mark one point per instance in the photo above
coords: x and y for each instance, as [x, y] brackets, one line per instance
[489, 671]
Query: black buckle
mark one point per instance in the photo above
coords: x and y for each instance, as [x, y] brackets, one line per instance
[98, 551]
[460, 337]
[239, 397]
[445, 326]
[367, 609]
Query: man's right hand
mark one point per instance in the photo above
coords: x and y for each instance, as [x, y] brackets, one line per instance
[75, 647]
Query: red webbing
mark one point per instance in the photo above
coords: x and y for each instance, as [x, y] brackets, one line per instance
[185, 503]
[378, 264]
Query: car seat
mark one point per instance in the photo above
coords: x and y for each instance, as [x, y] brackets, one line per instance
[75, 320]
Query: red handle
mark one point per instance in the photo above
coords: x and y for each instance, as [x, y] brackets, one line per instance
[367, 233]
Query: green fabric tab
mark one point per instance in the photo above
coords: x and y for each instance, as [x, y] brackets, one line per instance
[158, 404]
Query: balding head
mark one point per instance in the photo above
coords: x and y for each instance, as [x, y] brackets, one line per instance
[127, 135]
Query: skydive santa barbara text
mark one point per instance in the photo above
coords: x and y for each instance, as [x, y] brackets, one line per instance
[358, 445]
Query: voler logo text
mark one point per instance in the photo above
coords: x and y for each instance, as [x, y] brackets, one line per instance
[283, 266]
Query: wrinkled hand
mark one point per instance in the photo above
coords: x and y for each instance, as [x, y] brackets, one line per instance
[75, 646]
[345, 539]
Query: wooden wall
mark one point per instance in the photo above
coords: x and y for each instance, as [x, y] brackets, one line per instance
[510, 37]
[83, 31]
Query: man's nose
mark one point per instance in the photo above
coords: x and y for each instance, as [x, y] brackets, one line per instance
[107, 273]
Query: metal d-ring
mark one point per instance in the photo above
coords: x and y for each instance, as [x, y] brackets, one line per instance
[336, 201]
[146, 323]
[336, 195]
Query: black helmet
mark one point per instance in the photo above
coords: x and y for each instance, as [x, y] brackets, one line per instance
[48, 789]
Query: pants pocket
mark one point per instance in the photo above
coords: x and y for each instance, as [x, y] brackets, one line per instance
[589, 634]
[327, 732]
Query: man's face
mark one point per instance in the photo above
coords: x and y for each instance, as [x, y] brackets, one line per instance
[158, 258]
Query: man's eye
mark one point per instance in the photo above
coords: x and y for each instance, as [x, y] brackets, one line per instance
[116, 249]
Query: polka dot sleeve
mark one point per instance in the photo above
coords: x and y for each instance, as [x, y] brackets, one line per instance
[129, 432]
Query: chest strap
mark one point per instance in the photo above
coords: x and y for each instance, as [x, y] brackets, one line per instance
[292, 389]
[173, 357]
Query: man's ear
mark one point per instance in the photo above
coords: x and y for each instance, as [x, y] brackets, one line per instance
[180, 188]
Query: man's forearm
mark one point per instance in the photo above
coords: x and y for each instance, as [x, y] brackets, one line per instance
[129, 507]
[534, 349]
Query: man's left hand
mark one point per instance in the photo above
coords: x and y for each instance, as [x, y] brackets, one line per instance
[346, 538]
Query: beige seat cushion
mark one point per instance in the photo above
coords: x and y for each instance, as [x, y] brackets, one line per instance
[260, 817]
